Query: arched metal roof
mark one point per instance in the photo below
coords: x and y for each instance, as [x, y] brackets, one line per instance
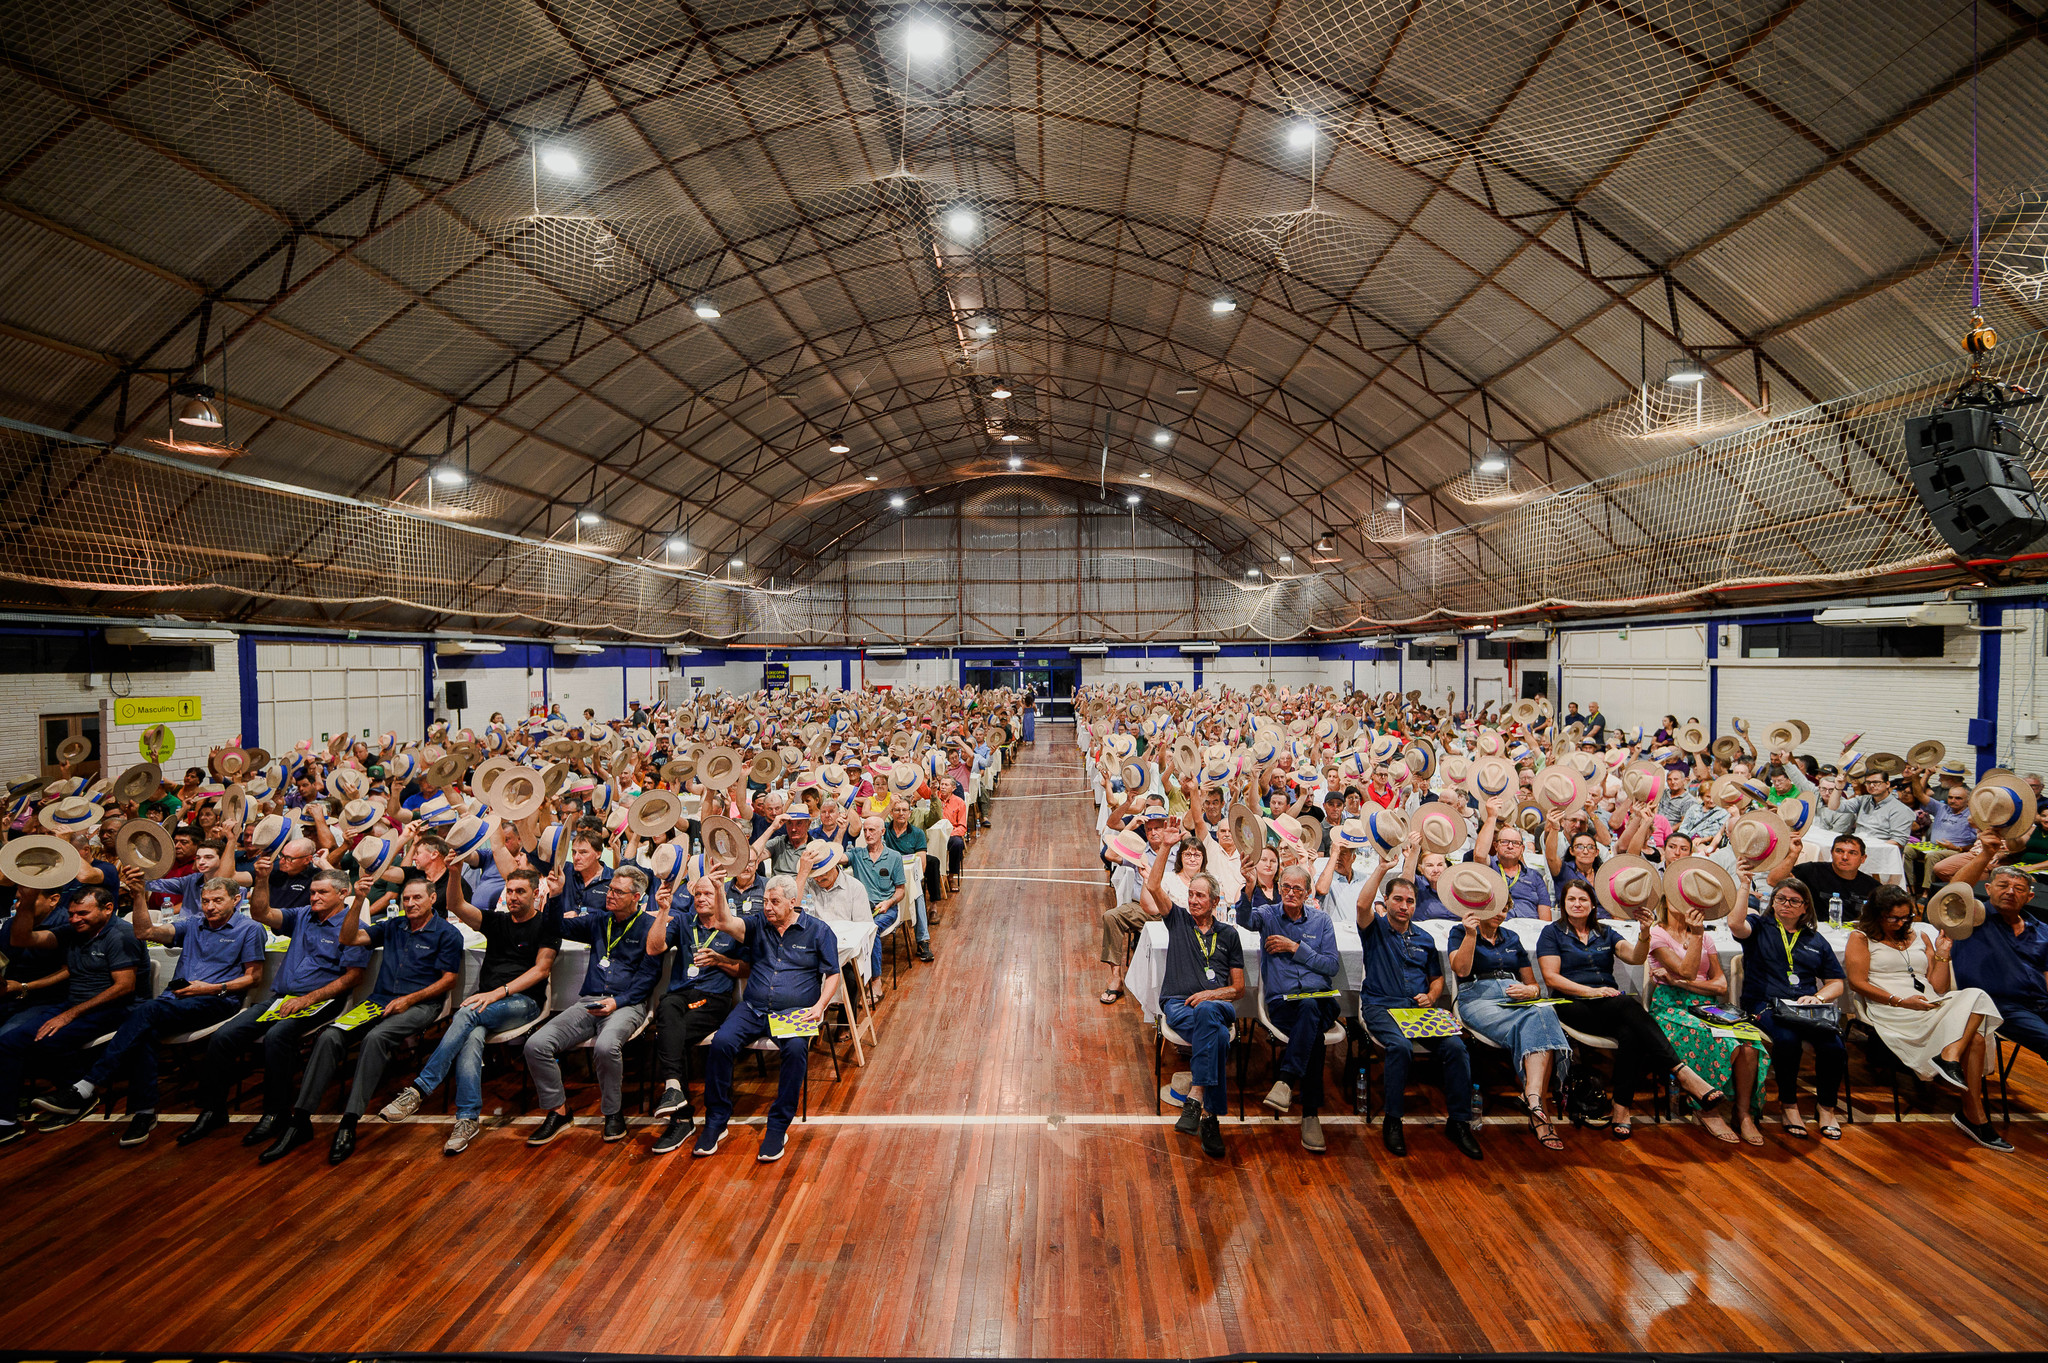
[1442, 228]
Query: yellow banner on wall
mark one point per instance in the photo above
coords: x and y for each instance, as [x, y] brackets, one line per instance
[156, 709]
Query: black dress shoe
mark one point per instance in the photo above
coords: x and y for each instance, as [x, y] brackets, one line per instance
[344, 1143]
[265, 1129]
[1212, 1137]
[1390, 1135]
[205, 1124]
[1462, 1137]
[614, 1126]
[552, 1124]
[297, 1132]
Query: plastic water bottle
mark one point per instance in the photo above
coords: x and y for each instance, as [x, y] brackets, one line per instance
[1834, 911]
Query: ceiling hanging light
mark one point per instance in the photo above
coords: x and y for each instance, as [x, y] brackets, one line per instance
[1252, 574]
[984, 328]
[1287, 558]
[874, 478]
[1683, 372]
[736, 563]
[1145, 473]
[588, 516]
[197, 409]
[450, 475]
[1223, 305]
[1493, 461]
[1161, 437]
[1393, 503]
[896, 502]
[1015, 463]
[962, 222]
[1327, 544]
[1001, 390]
[838, 444]
[706, 309]
[923, 41]
[1131, 500]
[1301, 134]
[557, 161]
[677, 544]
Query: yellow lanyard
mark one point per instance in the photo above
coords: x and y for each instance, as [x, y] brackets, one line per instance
[610, 941]
[699, 943]
[1207, 943]
[1788, 942]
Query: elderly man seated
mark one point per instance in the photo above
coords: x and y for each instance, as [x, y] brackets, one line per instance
[1198, 995]
[1298, 974]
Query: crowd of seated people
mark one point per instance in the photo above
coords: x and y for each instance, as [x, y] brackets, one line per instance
[362, 922]
[1690, 915]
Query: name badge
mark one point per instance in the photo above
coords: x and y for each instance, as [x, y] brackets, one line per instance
[693, 972]
[604, 963]
[1209, 975]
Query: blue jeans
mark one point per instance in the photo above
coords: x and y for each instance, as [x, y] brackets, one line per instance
[924, 927]
[883, 922]
[1301, 1063]
[1208, 1027]
[748, 1022]
[1450, 1053]
[2023, 1025]
[462, 1049]
[134, 1043]
[18, 1045]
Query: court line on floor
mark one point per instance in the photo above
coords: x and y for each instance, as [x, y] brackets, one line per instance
[1039, 880]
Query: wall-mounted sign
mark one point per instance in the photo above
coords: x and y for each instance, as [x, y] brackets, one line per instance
[156, 709]
[775, 675]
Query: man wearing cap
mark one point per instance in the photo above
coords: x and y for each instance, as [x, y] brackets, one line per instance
[1298, 974]
[1199, 991]
[1403, 969]
[617, 986]
[783, 844]
[880, 872]
[793, 966]
[2007, 957]
[422, 962]
[1501, 845]
[511, 991]
[827, 890]
[104, 961]
[699, 998]
[221, 958]
[311, 988]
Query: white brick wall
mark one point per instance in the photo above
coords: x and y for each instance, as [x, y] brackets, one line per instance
[307, 689]
[27, 696]
[1895, 703]
[1639, 679]
[2023, 692]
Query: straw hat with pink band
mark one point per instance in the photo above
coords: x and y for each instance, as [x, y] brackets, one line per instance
[1288, 829]
[1703, 886]
[1761, 838]
[1469, 887]
[1559, 788]
[1626, 885]
[1442, 829]
[1128, 847]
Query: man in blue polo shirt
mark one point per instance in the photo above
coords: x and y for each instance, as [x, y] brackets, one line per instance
[1298, 958]
[1198, 992]
[1501, 845]
[220, 959]
[793, 964]
[617, 986]
[580, 888]
[422, 962]
[1404, 970]
[105, 962]
[34, 975]
[2007, 958]
[312, 986]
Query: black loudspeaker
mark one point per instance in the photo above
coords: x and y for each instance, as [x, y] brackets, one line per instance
[1969, 467]
[458, 694]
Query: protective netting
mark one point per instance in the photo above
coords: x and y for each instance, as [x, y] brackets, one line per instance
[391, 170]
[1015, 557]
[1817, 496]
[158, 536]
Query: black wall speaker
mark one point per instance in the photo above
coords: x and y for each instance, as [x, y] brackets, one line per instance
[458, 694]
[1969, 468]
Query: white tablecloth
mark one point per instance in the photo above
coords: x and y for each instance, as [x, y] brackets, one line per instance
[1885, 860]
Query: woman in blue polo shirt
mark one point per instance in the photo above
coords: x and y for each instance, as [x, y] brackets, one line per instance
[1785, 957]
[1493, 971]
[1577, 954]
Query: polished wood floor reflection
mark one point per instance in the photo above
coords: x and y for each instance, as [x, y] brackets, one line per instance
[994, 1182]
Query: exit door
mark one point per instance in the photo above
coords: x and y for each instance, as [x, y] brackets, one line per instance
[57, 729]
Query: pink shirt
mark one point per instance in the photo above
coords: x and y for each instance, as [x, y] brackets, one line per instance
[1660, 940]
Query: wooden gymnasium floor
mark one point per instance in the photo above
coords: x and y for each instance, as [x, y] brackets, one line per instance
[995, 1182]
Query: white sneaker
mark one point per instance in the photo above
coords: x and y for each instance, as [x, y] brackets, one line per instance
[1279, 1097]
[459, 1139]
[402, 1106]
